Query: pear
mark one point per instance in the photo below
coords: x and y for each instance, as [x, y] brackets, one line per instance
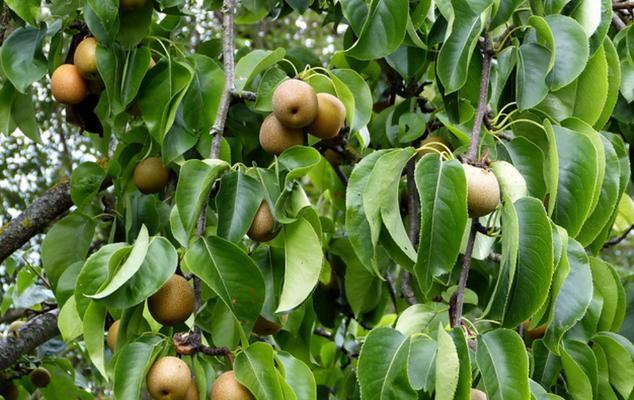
[263, 226]
[227, 387]
[150, 175]
[113, 331]
[331, 117]
[40, 377]
[295, 103]
[483, 190]
[275, 137]
[174, 302]
[85, 58]
[169, 379]
[68, 86]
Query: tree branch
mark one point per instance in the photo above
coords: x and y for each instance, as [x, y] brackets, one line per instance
[34, 333]
[228, 50]
[457, 300]
[482, 101]
[619, 239]
[618, 22]
[5, 19]
[37, 216]
[413, 210]
[627, 5]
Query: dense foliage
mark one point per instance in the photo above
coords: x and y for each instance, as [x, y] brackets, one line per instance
[449, 236]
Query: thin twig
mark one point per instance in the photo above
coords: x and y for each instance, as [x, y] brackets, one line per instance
[619, 239]
[389, 278]
[482, 101]
[457, 300]
[618, 22]
[413, 210]
[228, 50]
[628, 5]
[5, 18]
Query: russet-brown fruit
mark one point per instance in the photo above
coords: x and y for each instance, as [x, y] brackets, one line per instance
[113, 332]
[433, 142]
[132, 4]
[295, 103]
[173, 303]
[275, 137]
[263, 226]
[40, 377]
[483, 191]
[68, 86]
[331, 117]
[478, 395]
[192, 392]
[227, 387]
[85, 58]
[150, 175]
[169, 379]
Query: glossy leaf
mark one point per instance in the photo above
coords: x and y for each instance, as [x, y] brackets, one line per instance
[304, 258]
[503, 363]
[382, 370]
[255, 369]
[252, 64]
[580, 367]
[132, 365]
[442, 189]
[383, 30]
[237, 203]
[231, 274]
[21, 57]
[447, 367]
[571, 50]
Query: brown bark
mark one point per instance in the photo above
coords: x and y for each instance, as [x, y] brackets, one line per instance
[33, 334]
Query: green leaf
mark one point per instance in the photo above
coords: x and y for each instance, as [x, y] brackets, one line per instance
[362, 287]
[202, 99]
[119, 276]
[607, 284]
[442, 188]
[531, 74]
[21, 57]
[381, 204]
[135, 25]
[192, 191]
[571, 50]
[28, 10]
[161, 93]
[528, 158]
[594, 80]
[69, 322]
[573, 298]
[463, 389]
[58, 252]
[106, 10]
[304, 258]
[588, 14]
[157, 267]
[255, 369]
[231, 274]
[614, 82]
[421, 367]
[132, 365]
[382, 369]
[577, 175]
[534, 266]
[447, 367]
[252, 64]
[620, 354]
[504, 12]
[383, 30]
[237, 203]
[421, 318]
[93, 328]
[604, 390]
[362, 111]
[85, 183]
[356, 220]
[298, 376]
[503, 363]
[23, 113]
[580, 368]
[455, 54]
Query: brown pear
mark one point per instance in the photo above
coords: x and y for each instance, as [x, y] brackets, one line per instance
[263, 226]
[68, 86]
[85, 58]
[132, 4]
[483, 190]
[113, 332]
[169, 379]
[150, 175]
[478, 395]
[295, 103]
[227, 387]
[275, 137]
[331, 117]
[40, 377]
[192, 392]
[174, 302]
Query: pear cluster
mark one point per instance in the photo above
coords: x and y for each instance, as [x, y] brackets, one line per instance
[170, 378]
[298, 109]
[70, 83]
